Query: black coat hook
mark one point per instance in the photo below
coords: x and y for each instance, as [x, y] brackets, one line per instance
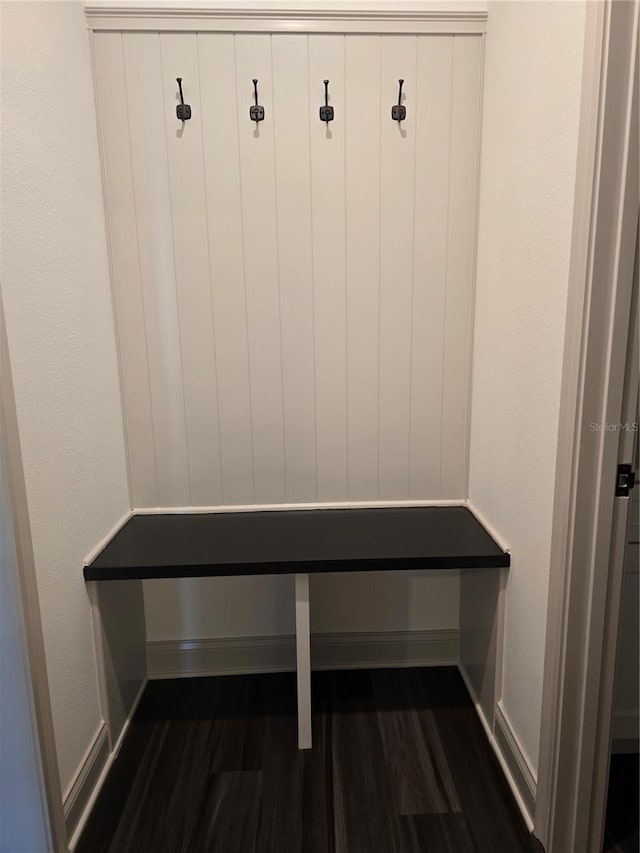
[326, 112]
[256, 112]
[398, 111]
[183, 111]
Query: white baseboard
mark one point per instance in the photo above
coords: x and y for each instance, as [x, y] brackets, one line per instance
[385, 649]
[85, 779]
[625, 725]
[90, 776]
[625, 732]
[521, 770]
[228, 656]
[503, 747]
[243, 655]
[486, 725]
[190, 510]
[625, 746]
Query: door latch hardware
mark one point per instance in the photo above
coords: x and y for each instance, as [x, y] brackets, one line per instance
[625, 480]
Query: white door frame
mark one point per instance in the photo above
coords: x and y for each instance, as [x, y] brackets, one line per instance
[581, 623]
[28, 593]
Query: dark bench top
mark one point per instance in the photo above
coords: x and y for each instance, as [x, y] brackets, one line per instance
[296, 541]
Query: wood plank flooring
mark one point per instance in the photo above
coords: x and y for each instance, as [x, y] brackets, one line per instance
[400, 764]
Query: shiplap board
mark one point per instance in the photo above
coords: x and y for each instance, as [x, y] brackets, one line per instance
[293, 204]
[363, 70]
[147, 104]
[397, 197]
[220, 127]
[179, 56]
[257, 165]
[327, 163]
[461, 228]
[433, 128]
[294, 299]
[125, 266]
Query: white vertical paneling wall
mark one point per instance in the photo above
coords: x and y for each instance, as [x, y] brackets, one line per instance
[294, 299]
[328, 188]
[430, 227]
[363, 132]
[396, 238]
[257, 178]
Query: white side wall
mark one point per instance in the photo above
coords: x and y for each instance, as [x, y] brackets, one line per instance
[529, 141]
[55, 286]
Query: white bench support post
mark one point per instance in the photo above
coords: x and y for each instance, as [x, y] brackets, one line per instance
[303, 661]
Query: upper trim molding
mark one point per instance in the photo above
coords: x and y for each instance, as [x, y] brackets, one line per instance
[295, 16]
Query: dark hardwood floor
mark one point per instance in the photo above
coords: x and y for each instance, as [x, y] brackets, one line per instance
[400, 764]
[621, 826]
